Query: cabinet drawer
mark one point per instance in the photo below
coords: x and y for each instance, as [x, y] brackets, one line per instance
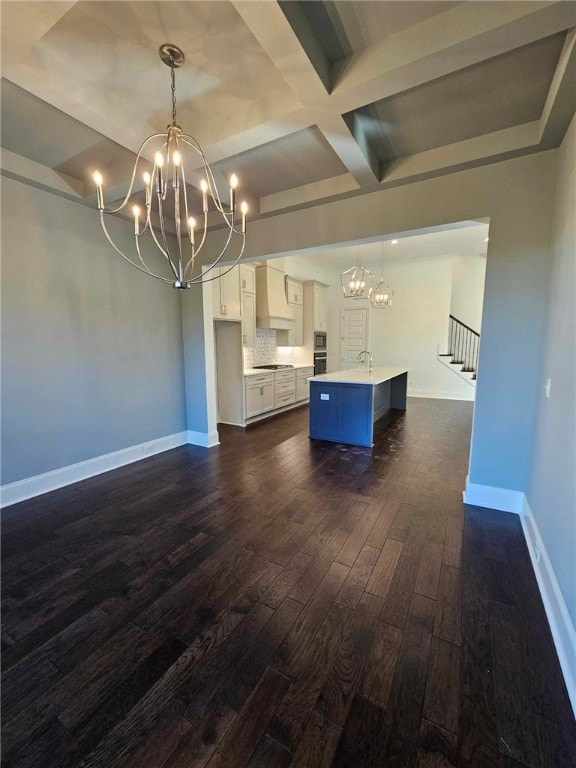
[284, 386]
[284, 376]
[284, 399]
[305, 373]
[259, 379]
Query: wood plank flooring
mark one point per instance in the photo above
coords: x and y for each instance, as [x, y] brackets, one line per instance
[277, 602]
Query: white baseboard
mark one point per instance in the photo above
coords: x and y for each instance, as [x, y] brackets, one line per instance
[441, 395]
[205, 439]
[12, 493]
[504, 499]
[561, 626]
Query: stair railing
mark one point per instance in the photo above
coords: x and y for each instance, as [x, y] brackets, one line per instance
[463, 345]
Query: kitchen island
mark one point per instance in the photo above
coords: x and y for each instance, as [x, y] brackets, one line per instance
[344, 405]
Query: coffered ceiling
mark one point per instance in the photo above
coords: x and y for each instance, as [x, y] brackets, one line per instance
[304, 100]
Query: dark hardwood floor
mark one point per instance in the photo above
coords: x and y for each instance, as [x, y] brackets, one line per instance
[278, 602]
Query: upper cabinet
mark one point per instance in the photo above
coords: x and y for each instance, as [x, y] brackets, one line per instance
[226, 294]
[294, 291]
[248, 293]
[293, 337]
[315, 307]
[248, 278]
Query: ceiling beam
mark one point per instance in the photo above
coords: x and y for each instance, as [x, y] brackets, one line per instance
[309, 193]
[458, 38]
[37, 175]
[561, 100]
[489, 148]
[270, 26]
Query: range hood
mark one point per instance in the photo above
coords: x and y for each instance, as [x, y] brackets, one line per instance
[272, 310]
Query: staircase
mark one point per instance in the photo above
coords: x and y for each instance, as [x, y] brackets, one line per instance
[463, 346]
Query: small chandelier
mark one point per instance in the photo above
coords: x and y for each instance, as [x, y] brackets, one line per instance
[167, 184]
[356, 281]
[381, 294]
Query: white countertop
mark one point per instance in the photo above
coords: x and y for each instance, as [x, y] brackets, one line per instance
[361, 376]
[256, 371]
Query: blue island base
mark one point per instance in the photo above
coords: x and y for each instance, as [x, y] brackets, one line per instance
[345, 412]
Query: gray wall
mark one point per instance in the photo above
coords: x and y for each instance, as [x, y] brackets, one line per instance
[516, 195]
[92, 353]
[552, 490]
[194, 359]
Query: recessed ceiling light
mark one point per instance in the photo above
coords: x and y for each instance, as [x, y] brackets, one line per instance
[394, 242]
[486, 239]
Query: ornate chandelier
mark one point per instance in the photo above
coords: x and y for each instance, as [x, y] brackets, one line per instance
[166, 186]
[381, 294]
[356, 281]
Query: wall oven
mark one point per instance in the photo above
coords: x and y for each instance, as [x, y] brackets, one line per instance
[320, 362]
[320, 341]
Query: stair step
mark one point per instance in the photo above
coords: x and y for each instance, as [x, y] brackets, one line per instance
[445, 354]
[468, 370]
[456, 362]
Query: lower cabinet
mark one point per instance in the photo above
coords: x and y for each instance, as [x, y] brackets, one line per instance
[273, 391]
[259, 395]
[302, 385]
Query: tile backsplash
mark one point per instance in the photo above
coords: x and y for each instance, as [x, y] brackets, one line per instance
[266, 352]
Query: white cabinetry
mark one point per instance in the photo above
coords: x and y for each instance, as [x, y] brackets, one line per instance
[294, 291]
[294, 337]
[271, 392]
[284, 388]
[248, 293]
[226, 293]
[302, 386]
[259, 394]
[248, 278]
[315, 308]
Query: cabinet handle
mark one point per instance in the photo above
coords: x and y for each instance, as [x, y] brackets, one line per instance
[244, 339]
[261, 390]
[243, 283]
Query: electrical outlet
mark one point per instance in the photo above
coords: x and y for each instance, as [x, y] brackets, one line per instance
[547, 387]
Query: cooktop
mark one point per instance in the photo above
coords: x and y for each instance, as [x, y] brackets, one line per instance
[272, 367]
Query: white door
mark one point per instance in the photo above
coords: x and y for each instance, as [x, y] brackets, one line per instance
[353, 337]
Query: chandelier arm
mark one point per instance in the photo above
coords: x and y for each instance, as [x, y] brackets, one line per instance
[165, 249]
[119, 252]
[131, 185]
[186, 212]
[178, 226]
[196, 251]
[217, 260]
[137, 240]
[196, 281]
[191, 141]
[161, 249]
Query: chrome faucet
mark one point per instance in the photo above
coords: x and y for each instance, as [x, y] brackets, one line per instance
[365, 352]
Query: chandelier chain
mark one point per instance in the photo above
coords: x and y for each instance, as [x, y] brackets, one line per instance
[173, 78]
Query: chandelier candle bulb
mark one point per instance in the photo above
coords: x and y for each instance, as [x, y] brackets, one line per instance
[204, 188]
[233, 185]
[136, 212]
[191, 225]
[147, 179]
[97, 176]
[244, 209]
